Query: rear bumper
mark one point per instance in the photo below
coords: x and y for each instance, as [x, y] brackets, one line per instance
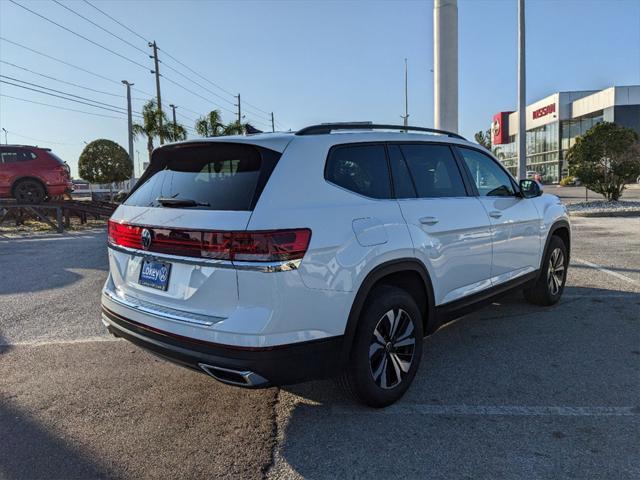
[243, 366]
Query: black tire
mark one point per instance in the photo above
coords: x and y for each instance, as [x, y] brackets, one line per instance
[384, 360]
[29, 191]
[550, 284]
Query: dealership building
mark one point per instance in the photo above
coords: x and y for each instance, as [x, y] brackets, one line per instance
[554, 122]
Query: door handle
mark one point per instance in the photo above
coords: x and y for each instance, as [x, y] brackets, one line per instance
[495, 214]
[429, 220]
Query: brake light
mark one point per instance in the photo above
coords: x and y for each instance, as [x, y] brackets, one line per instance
[124, 235]
[256, 246]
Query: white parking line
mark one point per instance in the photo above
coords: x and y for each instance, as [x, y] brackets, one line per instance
[607, 271]
[39, 343]
[486, 410]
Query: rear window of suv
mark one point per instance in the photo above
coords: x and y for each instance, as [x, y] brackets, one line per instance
[215, 176]
[360, 168]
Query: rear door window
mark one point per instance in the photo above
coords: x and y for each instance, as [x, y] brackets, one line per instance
[361, 169]
[434, 170]
[215, 176]
[13, 155]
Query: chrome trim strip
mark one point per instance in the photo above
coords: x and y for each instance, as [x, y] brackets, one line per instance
[268, 267]
[178, 258]
[164, 315]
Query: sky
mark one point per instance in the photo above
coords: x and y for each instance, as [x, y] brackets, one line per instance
[307, 61]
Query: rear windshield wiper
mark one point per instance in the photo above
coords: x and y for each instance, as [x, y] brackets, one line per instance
[180, 202]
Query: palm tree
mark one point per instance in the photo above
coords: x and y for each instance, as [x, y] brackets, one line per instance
[150, 126]
[210, 125]
[175, 132]
[233, 128]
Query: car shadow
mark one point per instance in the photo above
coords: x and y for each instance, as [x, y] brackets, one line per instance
[29, 451]
[579, 352]
[45, 263]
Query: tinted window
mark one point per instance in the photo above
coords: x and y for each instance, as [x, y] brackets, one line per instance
[361, 169]
[490, 179]
[10, 155]
[402, 182]
[216, 176]
[434, 171]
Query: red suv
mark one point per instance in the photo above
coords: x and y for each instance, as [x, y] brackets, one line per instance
[32, 174]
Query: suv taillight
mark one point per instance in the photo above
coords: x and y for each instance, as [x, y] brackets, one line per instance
[257, 246]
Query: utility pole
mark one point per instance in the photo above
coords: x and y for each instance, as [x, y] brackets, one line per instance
[175, 125]
[445, 65]
[522, 99]
[159, 98]
[239, 110]
[130, 121]
[273, 123]
[139, 166]
[406, 96]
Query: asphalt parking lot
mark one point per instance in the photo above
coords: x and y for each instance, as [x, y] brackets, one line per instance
[512, 391]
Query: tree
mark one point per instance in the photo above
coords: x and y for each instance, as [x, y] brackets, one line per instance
[150, 126]
[104, 161]
[211, 126]
[176, 132]
[484, 138]
[605, 158]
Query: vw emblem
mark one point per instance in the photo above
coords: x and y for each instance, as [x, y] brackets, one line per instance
[146, 239]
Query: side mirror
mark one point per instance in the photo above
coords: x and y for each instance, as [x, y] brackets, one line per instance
[530, 189]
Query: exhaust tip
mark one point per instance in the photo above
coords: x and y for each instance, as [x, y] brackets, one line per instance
[242, 378]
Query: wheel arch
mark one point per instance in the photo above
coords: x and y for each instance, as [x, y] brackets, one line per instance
[17, 180]
[407, 273]
[562, 229]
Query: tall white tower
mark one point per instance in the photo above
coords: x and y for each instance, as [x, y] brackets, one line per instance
[445, 65]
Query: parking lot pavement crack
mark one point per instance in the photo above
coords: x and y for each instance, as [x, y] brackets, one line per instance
[275, 435]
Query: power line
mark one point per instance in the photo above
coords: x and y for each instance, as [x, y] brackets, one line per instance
[196, 94]
[63, 62]
[60, 96]
[68, 83]
[61, 92]
[97, 75]
[61, 108]
[119, 23]
[252, 106]
[41, 140]
[80, 36]
[100, 27]
[196, 73]
[196, 83]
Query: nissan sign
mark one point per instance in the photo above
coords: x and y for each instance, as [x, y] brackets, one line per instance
[541, 112]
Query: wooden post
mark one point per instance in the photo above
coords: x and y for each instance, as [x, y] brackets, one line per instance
[59, 219]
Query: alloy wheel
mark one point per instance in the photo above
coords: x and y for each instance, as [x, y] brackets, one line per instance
[392, 348]
[556, 271]
[28, 192]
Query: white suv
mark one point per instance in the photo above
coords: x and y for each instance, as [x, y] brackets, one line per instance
[278, 258]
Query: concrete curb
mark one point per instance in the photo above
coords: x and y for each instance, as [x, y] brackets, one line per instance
[613, 213]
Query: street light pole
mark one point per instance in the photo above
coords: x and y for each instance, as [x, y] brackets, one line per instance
[175, 125]
[5, 136]
[406, 96]
[522, 100]
[129, 120]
